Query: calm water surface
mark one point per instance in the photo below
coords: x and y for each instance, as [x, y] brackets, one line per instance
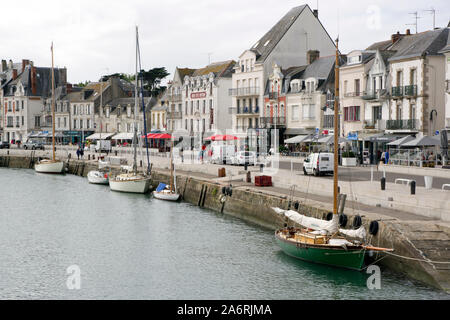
[136, 247]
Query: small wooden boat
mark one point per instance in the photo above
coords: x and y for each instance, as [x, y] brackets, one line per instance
[164, 193]
[130, 182]
[49, 166]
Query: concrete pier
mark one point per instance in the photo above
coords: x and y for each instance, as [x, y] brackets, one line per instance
[424, 241]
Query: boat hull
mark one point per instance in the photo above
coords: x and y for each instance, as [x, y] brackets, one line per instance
[131, 186]
[97, 177]
[166, 196]
[56, 167]
[352, 258]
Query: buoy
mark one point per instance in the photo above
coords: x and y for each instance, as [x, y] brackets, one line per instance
[296, 205]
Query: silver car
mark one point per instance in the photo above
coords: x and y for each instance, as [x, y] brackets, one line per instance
[240, 158]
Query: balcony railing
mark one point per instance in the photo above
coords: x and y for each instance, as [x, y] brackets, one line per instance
[411, 91]
[248, 110]
[372, 124]
[10, 126]
[410, 124]
[273, 95]
[397, 92]
[352, 94]
[246, 91]
[272, 121]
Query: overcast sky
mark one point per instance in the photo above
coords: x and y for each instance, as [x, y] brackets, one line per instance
[92, 38]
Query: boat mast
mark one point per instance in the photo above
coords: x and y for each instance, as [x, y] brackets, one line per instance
[135, 107]
[171, 139]
[336, 129]
[53, 107]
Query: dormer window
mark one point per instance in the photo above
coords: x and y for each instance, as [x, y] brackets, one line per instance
[267, 42]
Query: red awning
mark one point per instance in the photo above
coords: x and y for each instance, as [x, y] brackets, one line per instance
[158, 136]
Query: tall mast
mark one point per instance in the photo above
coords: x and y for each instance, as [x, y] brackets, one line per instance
[135, 107]
[53, 108]
[336, 129]
[171, 139]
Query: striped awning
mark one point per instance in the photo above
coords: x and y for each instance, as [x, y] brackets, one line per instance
[100, 136]
[123, 136]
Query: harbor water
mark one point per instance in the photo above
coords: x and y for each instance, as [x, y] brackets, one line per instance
[136, 247]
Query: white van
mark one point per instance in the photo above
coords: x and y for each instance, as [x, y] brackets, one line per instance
[319, 164]
[222, 154]
[103, 146]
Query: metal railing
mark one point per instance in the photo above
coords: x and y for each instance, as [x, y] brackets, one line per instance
[246, 91]
[352, 94]
[409, 124]
[248, 110]
[397, 92]
[411, 91]
[272, 121]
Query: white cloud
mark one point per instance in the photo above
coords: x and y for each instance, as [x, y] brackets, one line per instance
[91, 36]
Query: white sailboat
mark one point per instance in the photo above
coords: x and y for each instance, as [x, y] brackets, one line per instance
[99, 176]
[132, 181]
[51, 165]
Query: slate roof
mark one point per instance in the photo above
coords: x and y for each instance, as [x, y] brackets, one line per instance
[275, 34]
[124, 102]
[185, 72]
[382, 45]
[416, 45]
[320, 68]
[447, 47]
[43, 81]
[220, 69]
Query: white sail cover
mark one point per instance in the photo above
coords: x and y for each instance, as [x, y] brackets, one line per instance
[309, 222]
[359, 233]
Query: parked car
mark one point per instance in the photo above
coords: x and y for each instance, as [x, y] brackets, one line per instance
[4, 145]
[240, 158]
[319, 164]
[33, 145]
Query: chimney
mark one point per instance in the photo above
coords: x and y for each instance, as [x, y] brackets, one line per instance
[4, 65]
[312, 55]
[396, 37]
[33, 80]
[316, 13]
[68, 88]
[24, 64]
[408, 32]
[14, 74]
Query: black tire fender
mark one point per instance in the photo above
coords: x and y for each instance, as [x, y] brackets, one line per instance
[343, 219]
[357, 222]
[373, 228]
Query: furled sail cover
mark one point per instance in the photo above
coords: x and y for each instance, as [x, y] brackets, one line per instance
[359, 233]
[311, 223]
[161, 187]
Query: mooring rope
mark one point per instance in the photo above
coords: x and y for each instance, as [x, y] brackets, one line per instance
[416, 259]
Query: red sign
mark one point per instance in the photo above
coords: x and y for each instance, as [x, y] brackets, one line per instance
[198, 95]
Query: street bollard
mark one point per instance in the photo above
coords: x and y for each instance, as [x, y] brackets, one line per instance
[116, 153]
[246, 166]
[89, 157]
[93, 157]
[261, 168]
[383, 183]
[292, 166]
[249, 177]
[413, 187]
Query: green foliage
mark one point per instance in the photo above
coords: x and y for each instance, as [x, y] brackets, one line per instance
[82, 84]
[124, 76]
[152, 80]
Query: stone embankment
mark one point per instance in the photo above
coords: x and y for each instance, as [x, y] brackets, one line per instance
[426, 243]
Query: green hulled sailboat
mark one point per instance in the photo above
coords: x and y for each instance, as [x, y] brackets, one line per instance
[321, 241]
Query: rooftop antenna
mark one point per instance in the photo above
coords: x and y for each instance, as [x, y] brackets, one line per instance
[433, 12]
[209, 57]
[416, 17]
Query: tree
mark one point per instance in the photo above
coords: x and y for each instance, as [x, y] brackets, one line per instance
[152, 80]
[82, 84]
[124, 76]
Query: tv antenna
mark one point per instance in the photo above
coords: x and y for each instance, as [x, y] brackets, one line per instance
[433, 12]
[416, 17]
[209, 57]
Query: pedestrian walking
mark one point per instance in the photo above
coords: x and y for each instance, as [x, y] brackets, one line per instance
[78, 153]
[82, 153]
[182, 155]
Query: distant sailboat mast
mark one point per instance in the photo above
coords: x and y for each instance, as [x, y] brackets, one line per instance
[336, 130]
[53, 108]
[135, 108]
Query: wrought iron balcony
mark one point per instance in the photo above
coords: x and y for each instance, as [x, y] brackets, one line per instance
[273, 95]
[268, 122]
[397, 92]
[248, 110]
[411, 91]
[242, 92]
[409, 124]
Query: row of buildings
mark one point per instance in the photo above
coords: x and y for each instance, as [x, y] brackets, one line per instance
[283, 83]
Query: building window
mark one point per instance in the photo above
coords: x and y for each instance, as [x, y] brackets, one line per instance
[295, 113]
[357, 87]
[352, 113]
[74, 123]
[65, 122]
[23, 120]
[59, 122]
[88, 125]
